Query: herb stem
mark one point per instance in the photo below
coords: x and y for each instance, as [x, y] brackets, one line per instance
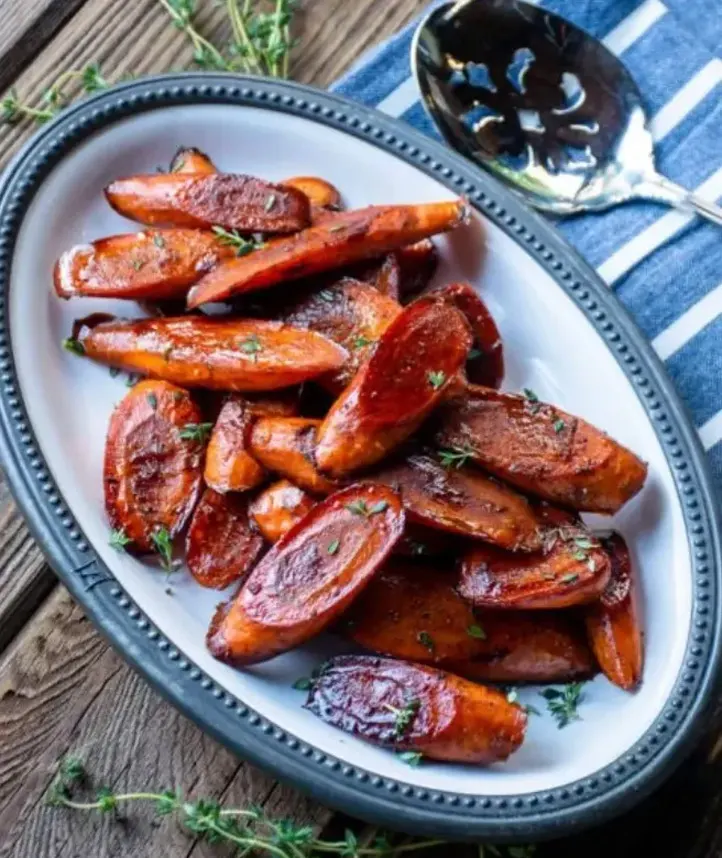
[240, 33]
[201, 44]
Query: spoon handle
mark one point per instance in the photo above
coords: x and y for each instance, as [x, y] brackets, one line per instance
[656, 187]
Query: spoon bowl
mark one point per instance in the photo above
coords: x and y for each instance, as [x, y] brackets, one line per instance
[541, 104]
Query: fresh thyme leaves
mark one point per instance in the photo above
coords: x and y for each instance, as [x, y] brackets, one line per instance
[563, 703]
[114, 371]
[195, 431]
[436, 379]
[559, 425]
[411, 758]
[163, 544]
[571, 578]
[118, 540]
[512, 695]
[532, 399]
[75, 346]
[152, 401]
[403, 718]
[326, 295]
[476, 631]
[158, 240]
[232, 238]
[455, 457]
[333, 546]
[132, 380]
[359, 507]
[425, 639]
[360, 342]
[251, 346]
[304, 683]
[474, 354]
[137, 264]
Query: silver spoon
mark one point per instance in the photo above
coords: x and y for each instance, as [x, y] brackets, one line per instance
[542, 105]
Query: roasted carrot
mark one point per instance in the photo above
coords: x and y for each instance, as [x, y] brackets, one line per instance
[153, 265]
[152, 474]
[278, 508]
[230, 467]
[417, 265]
[411, 707]
[321, 193]
[414, 612]
[310, 576]
[571, 569]
[352, 314]
[613, 622]
[188, 159]
[220, 354]
[462, 501]
[383, 274]
[285, 445]
[404, 378]
[542, 449]
[213, 199]
[486, 358]
[342, 239]
[221, 547]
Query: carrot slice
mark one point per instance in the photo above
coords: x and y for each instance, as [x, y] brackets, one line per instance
[383, 274]
[230, 467]
[613, 622]
[417, 265]
[286, 446]
[152, 265]
[413, 612]
[205, 200]
[321, 193]
[463, 501]
[278, 508]
[571, 569]
[221, 547]
[341, 239]
[352, 314]
[188, 159]
[542, 449]
[407, 375]
[310, 576]
[152, 475]
[414, 708]
[485, 364]
[220, 354]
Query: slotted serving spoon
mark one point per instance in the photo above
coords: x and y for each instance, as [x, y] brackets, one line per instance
[542, 105]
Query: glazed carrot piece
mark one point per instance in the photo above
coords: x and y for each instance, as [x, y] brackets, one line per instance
[221, 547]
[383, 274]
[220, 354]
[486, 359]
[571, 569]
[310, 576]
[462, 501]
[613, 622]
[321, 193]
[352, 314]
[152, 474]
[343, 238]
[153, 265]
[417, 265]
[278, 508]
[414, 612]
[411, 707]
[230, 467]
[403, 380]
[206, 200]
[542, 449]
[188, 159]
[285, 445]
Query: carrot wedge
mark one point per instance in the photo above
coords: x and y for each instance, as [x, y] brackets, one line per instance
[321, 193]
[341, 239]
[219, 354]
[310, 576]
[230, 467]
[542, 449]
[571, 569]
[205, 200]
[153, 265]
[278, 508]
[152, 475]
[221, 547]
[414, 612]
[413, 708]
[188, 159]
[462, 501]
[613, 622]
[415, 360]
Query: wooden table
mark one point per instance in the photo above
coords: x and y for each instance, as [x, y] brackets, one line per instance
[61, 687]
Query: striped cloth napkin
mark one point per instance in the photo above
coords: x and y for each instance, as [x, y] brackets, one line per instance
[665, 266]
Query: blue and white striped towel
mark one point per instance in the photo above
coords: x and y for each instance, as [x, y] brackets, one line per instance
[665, 266]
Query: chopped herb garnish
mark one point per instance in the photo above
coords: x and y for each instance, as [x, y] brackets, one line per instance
[580, 555]
[195, 431]
[270, 203]
[158, 240]
[233, 238]
[178, 396]
[474, 354]
[177, 165]
[360, 342]
[563, 703]
[583, 542]
[559, 425]
[137, 264]
[476, 631]
[570, 578]
[359, 507]
[132, 380]
[303, 684]
[403, 718]
[455, 457]
[379, 506]
[114, 371]
[532, 399]
[326, 294]
[436, 379]
[251, 346]
[75, 346]
[118, 540]
[411, 758]
[425, 639]
[333, 546]
[152, 400]
[163, 544]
